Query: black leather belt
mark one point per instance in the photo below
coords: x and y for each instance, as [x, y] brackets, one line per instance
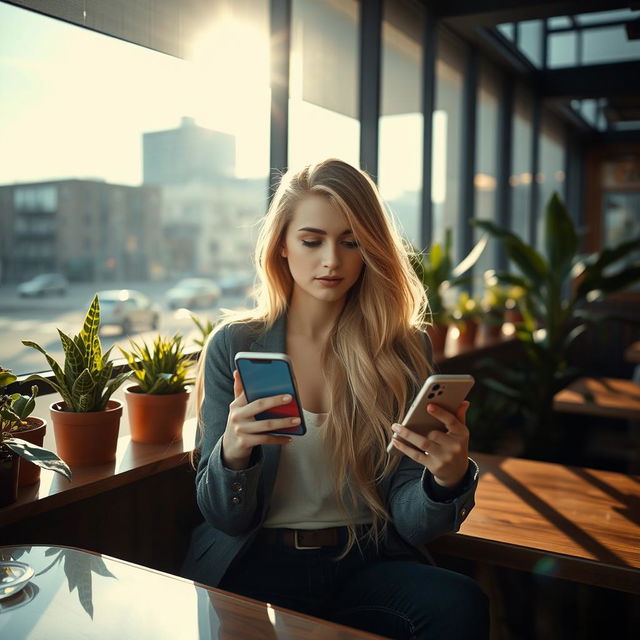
[302, 538]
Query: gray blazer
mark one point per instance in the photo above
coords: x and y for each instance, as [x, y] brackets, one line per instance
[235, 503]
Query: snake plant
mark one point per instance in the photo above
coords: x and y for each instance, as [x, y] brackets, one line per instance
[162, 370]
[84, 381]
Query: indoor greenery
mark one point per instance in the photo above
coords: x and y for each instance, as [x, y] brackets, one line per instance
[435, 270]
[557, 289]
[161, 370]
[85, 381]
[206, 327]
[14, 411]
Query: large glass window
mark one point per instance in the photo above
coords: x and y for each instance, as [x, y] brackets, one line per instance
[486, 151]
[129, 168]
[401, 120]
[551, 176]
[323, 82]
[446, 158]
[520, 178]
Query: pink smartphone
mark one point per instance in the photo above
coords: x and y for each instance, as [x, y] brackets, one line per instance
[447, 391]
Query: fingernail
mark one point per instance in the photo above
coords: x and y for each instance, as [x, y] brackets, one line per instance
[295, 420]
[395, 427]
[286, 398]
[431, 407]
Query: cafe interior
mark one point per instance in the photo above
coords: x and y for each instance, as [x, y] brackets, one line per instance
[504, 137]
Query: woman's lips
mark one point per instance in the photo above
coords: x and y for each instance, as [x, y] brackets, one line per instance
[329, 282]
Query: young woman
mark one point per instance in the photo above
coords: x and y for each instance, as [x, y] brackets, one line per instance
[327, 523]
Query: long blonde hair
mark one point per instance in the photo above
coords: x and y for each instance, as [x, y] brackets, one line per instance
[375, 357]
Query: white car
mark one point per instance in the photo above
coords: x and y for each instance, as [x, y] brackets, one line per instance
[127, 309]
[191, 293]
[44, 284]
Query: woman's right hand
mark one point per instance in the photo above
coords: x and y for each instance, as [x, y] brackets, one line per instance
[243, 431]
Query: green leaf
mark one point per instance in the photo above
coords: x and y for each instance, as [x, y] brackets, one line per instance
[84, 385]
[527, 259]
[63, 389]
[472, 257]
[6, 378]
[561, 240]
[38, 456]
[74, 360]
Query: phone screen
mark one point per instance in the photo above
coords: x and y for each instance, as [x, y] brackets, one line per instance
[265, 378]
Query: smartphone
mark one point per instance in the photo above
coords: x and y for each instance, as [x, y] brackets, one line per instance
[270, 374]
[447, 391]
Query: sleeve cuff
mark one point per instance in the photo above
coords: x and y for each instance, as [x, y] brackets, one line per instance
[439, 493]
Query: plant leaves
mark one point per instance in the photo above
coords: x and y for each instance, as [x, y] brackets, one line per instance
[561, 240]
[38, 456]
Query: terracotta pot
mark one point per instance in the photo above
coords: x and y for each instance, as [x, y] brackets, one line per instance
[438, 336]
[84, 439]
[34, 433]
[513, 316]
[155, 418]
[493, 331]
[9, 469]
[468, 331]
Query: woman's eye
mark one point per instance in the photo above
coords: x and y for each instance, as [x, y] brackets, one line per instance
[352, 244]
[308, 243]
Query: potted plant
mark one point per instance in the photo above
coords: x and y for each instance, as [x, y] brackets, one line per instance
[157, 403]
[86, 422]
[466, 316]
[15, 411]
[493, 305]
[555, 312]
[436, 272]
[205, 327]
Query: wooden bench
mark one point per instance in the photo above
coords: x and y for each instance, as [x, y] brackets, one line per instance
[606, 397]
[567, 522]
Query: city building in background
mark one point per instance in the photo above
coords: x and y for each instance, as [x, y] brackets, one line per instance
[88, 230]
[208, 215]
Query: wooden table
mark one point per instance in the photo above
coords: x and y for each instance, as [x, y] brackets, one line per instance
[569, 522]
[612, 398]
[78, 594]
[632, 353]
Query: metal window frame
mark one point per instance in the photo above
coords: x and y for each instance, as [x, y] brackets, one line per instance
[468, 140]
[280, 35]
[370, 81]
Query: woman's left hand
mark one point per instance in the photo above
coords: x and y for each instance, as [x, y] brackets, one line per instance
[446, 455]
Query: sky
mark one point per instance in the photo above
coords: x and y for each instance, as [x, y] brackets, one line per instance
[75, 104]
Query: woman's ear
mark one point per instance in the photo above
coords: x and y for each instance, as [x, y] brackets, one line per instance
[283, 252]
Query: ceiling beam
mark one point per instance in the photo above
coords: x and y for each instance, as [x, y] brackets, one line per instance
[592, 81]
[475, 13]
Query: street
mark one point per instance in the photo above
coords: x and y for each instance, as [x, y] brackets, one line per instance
[38, 319]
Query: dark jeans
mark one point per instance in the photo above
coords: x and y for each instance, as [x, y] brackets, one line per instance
[393, 598]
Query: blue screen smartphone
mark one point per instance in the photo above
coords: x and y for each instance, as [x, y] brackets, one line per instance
[270, 374]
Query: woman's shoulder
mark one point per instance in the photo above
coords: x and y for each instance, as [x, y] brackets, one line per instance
[235, 334]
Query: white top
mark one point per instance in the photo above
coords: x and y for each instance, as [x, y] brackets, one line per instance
[303, 496]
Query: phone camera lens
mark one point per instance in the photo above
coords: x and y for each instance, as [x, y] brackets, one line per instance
[439, 393]
[436, 387]
[431, 395]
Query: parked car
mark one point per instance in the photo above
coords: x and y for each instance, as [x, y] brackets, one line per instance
[235, 285]
[192, 293]
[43, 285]
[127, 309]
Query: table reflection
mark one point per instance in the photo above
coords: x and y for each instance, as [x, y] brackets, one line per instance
[79, 594]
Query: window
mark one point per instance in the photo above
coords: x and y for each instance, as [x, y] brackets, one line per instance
[401, 120]
[486, 160]
[551, 176]
[520, 178]
[323, 82]
[446, 158]
[113, 146]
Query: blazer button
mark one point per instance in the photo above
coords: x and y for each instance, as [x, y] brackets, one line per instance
[236, 486]
[235, 500]
[463, 512]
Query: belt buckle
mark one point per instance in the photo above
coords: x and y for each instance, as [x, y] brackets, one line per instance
[297, 544]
